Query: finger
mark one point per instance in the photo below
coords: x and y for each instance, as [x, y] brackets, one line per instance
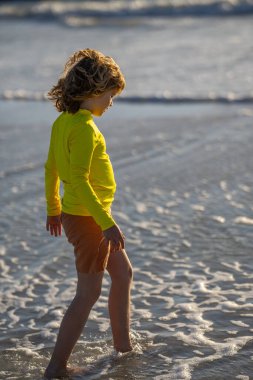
[59, 229]
[113, 246]
[117, 246]
[55, 230]
[47, 226]
[51, 229]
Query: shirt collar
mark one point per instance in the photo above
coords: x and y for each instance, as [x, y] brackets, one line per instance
[85, 112]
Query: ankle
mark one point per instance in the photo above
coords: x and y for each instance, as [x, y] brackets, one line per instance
[124, 349]
[55, 370]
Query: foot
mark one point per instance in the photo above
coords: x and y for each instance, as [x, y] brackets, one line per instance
[63, 373]
[122, 350]
[56, 374]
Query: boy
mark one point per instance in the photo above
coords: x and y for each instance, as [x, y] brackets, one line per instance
[77, 157]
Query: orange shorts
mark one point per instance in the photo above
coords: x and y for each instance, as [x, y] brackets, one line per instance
[90, 247]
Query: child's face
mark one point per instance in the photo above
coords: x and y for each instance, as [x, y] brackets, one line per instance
[99, 104]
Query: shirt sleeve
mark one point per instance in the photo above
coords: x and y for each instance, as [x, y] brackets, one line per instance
[82, 143]
[52, 182]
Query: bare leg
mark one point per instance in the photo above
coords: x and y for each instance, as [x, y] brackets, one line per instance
[87, 293]
[120, 270]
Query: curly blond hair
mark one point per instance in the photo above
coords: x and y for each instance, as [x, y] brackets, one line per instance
[87, 73]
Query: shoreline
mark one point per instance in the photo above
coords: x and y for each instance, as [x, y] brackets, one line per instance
[29, 109]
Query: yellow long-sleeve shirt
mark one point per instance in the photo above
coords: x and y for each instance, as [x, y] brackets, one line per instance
[77, 157]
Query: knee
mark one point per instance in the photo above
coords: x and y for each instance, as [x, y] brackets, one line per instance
[128, 275]
[125, 276]
[90, 297]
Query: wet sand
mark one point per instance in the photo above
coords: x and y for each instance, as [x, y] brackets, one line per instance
[184, 202]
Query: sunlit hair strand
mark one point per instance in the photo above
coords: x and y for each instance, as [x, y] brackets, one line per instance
[87, 73]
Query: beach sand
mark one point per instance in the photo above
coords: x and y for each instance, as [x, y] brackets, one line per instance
[184, 202]
[183, 164]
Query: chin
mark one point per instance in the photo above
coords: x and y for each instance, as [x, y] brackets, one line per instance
[98, 114]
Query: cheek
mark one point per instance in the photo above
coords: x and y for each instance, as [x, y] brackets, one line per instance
[108, 102]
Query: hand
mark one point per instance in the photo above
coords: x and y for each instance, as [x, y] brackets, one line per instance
[115, 237]
[54, 225]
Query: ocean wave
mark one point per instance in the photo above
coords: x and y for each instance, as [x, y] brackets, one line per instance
[162, 98]
[75, 13]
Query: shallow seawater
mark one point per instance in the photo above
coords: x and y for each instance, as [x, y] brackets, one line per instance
[201, 57]
[184, 202]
